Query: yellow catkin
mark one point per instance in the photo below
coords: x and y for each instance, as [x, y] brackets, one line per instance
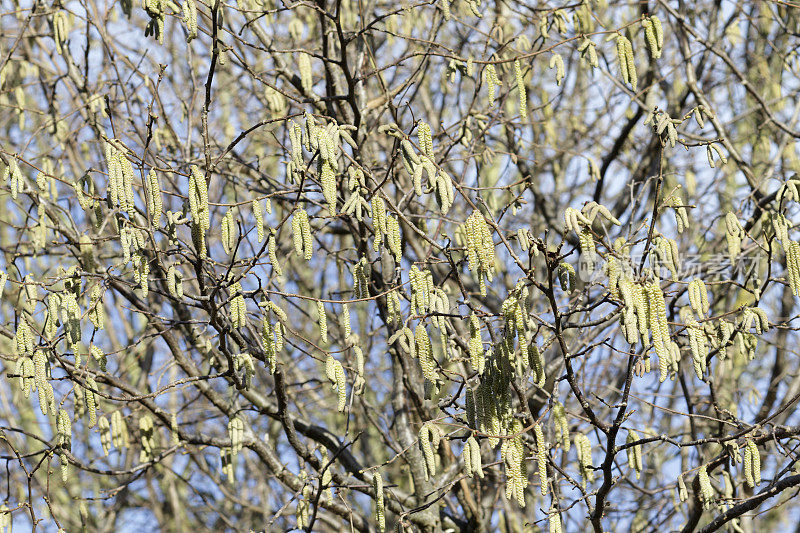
[190, 19]
[541, 457]
[377, 486]
[154, 202]
[492, 82]
[523, 97]
[627, 65]
[706, 490]
[322, 320]
[259, 217]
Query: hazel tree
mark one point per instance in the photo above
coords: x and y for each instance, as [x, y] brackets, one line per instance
[425, 265]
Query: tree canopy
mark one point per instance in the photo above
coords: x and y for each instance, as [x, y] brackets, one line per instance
[428, 265]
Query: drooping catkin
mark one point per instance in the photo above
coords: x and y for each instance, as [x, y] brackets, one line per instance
[734, 236]
[492, 81]
[175, 282]
[393, 238]
[230, 233]
[361, 276]
[706, 490]
[424, 351]
[301, 234]
[557, 62]
[654, 35]
[377, 486]
[259, 216]
[512, 451]
[627, 66]
[471, 454]
[561, 425]
[584, 449]
[541, 457]
[190, 19]
[588, 51]
[91, 400]
[336, 375]
[64, 429]
[657, 318]
[476, 353]
[304, 67]
[429, 442]
[634, 453]
[751, 464]
[523, 95]
[154, 203]
[322, 321]
[119, 430]
[554, 521]
[793, 266]
[344, 320]
[480, 248]
[272, 251]
[105, 434]
[698, 297]
[238, 306]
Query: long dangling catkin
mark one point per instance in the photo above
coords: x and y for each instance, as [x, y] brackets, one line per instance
[272, 251]
[230, 232]
[698, 297]
[557, 62]
[752, 464]
[154, 202]
[584, 449]
[476, 352]
[322, 320]
[429, 442]
[424, 352]
[523, 96]
[627, 65]
[119, 430]
[361, 276]
[654, 35]
[380, 513]
[304, 67]
[393, 238]
[561, 425]
[301, 234]
[541, 457]
[634, 453]
[91, 401]
[190, 19]
[734, 236]
[335, 373]
[706, 490]
[492, 81]
[554, 521]
[105, 434]
[259, 216]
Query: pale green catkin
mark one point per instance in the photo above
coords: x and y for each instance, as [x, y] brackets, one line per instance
[272, 251]
[322, 320]
[557, 62]
[344, 320]
[190, 19]
[627, 65]
[377, 486]
[229, 232]
[301, 234]
[154, 202]
[259, 216]
[492, 81]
